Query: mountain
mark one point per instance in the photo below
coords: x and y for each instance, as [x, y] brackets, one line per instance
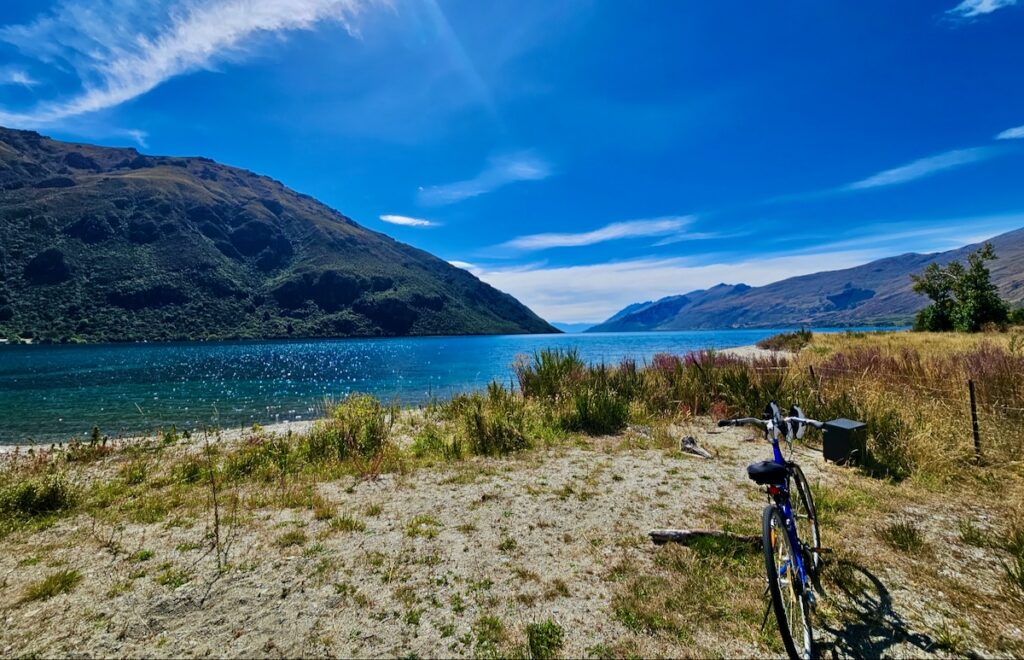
[876, 293]
[104, 244]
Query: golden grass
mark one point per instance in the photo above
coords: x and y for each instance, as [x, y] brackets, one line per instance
[919, 383]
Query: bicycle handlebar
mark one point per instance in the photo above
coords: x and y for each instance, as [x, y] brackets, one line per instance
[741, 421]
[805, 420]
[763, 423]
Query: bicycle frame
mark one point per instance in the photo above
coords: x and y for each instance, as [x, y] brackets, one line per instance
[782, 500]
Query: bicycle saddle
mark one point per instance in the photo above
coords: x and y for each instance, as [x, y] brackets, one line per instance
[767, 473]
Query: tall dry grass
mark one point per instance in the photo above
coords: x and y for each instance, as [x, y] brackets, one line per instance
[913, 388]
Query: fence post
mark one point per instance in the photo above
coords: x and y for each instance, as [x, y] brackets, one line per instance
[974, 422]
[817, 383]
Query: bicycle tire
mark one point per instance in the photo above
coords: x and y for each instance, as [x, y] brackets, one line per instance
[806, 515]
[788, 600]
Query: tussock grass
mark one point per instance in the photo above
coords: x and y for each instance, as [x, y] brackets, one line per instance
[291, 538]
[903, 535]
[61, 582]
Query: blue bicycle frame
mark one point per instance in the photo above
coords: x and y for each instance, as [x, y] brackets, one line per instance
[783, 500]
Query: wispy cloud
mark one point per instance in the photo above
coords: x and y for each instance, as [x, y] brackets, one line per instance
[974, 8]
[614, 231]
[15, 76]
[923, 167]
[406, 221]
[464, 265]
[593, 292]
[500, 171]
[121, 49]
[1015, 133]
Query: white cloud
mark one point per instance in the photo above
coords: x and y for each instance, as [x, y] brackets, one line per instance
[121, 49]
[500, 171]
[591, 293]
[923, 167]
[464, 265]
[614, 231]
[406, 221]
[975, 8]
[14, 76]
[1015, 133]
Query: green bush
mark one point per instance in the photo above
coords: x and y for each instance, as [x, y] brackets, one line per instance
[787, 341]
[431, 441]
[549, 373]
[359, 426]
[36, 496]
[963, 299]
[544, 639]
[494, 423]
[596, 410]
[264, 459]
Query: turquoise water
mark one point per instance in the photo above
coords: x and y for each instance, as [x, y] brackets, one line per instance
[52, 393]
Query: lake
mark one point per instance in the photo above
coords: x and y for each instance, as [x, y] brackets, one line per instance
[50, 393]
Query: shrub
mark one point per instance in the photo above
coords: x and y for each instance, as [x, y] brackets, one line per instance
[545, 639]
[431, 441]
[36, 496]
[259, 457]
[549, 373]
[787, 341]
[596, 410]
[359, 426]
[495, 423]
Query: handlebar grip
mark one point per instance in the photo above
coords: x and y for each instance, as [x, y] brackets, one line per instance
[726, 422]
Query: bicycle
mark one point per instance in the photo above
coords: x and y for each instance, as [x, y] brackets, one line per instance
[789, 572]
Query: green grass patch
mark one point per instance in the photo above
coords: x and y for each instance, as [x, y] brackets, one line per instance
[423, 525]
[903, 535]
[61, 582]
[291, 538]
[545, 639]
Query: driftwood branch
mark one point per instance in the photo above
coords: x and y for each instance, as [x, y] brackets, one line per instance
[690, 445]
[688, 536]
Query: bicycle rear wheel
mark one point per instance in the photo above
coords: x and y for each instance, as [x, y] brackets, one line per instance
[806, 520]
[785, 588]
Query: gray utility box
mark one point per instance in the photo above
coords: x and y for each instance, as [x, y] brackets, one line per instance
[844, 440]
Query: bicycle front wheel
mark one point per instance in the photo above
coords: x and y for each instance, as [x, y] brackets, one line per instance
[806, 520]
[785, 587]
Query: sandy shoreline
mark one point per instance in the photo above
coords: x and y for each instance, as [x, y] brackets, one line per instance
[221, 435]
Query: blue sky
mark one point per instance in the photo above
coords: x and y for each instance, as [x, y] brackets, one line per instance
[579, 155]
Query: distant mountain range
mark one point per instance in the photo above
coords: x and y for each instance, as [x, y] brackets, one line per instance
[103, 244]
[877, 293]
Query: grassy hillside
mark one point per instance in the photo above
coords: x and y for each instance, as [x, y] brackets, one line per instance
[877, 293]
[101, 244]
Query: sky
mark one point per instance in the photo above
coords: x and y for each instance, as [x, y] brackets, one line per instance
[579, 155]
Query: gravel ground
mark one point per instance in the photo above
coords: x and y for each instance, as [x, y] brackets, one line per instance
[424, 557]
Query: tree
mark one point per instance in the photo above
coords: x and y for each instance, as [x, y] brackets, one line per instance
[963, 299]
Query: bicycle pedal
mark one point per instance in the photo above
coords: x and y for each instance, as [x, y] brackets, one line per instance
[812, 598]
